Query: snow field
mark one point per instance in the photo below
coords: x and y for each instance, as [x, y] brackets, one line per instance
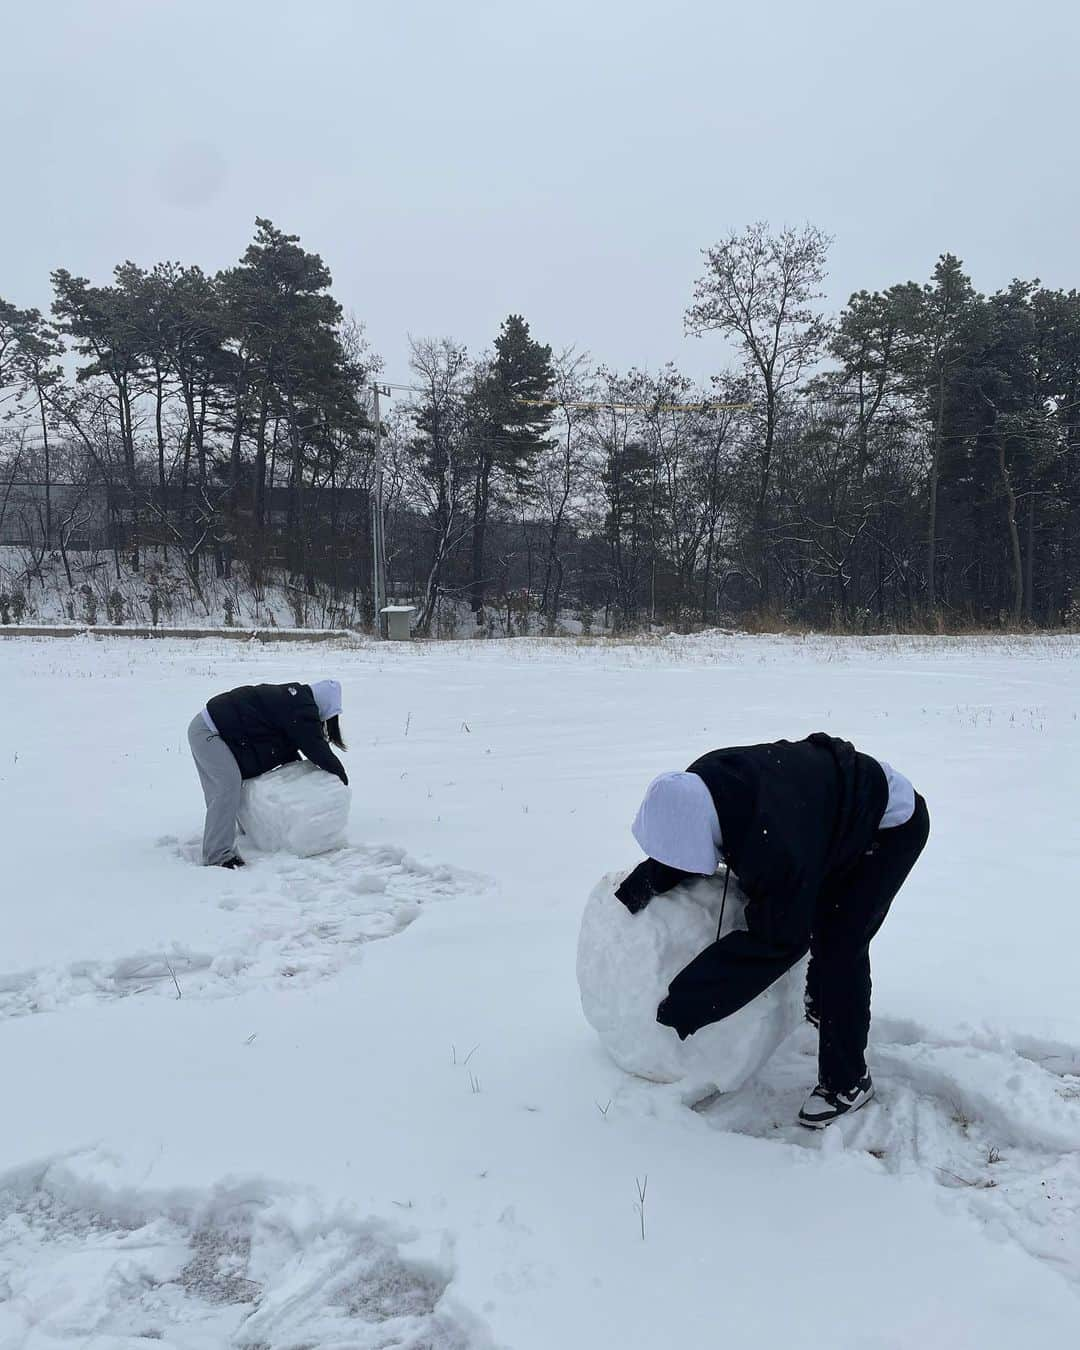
[419, 1142]
[284, 919]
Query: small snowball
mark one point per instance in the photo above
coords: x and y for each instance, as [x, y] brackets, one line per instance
[626, 961]
[296, 809]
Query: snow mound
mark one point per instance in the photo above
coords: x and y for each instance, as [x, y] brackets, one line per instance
[296, 809]
[625, 963]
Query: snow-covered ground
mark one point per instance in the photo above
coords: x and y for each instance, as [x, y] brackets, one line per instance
[161, 593]
[234, 1116]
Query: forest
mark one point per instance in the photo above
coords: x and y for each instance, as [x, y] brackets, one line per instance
[911, 463]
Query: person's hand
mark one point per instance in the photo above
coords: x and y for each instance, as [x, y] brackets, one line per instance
[649, 878]
[667, 1016]
[638, 889]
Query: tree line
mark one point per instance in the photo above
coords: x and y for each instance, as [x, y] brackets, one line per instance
[911, 462]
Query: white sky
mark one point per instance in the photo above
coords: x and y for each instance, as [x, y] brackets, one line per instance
[455, 162]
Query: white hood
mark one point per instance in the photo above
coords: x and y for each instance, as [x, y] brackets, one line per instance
[327, 698]
[677, 824]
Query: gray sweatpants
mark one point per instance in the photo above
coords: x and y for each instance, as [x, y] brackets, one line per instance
[219, 774]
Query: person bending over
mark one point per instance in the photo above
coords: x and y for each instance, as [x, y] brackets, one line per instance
[821, 838]
[249, 731]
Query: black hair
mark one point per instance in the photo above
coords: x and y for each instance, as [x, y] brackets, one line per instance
[333, 732]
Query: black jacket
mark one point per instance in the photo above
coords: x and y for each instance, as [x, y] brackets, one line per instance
[266, 725]
[794, 816]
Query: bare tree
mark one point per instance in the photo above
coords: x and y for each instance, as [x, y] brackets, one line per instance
[759, 288]
[561, 470]
[441, 368]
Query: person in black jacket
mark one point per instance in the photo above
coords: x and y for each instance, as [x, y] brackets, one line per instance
[821, 838]
[250, 731]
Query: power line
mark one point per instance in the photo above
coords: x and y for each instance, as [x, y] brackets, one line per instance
[708, 406]
[607, 406]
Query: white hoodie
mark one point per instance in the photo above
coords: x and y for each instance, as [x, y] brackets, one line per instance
[327, 698]
[677, 824]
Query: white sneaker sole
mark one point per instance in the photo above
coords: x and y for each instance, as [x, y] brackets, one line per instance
[831, 1120]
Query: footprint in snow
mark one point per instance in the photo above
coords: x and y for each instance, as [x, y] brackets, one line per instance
[305, 920]
[996, 1124]
[80, 1262]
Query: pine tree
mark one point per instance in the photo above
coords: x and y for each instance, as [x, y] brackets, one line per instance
[511, 412]
[282, 329]
[1057, 323]
[939, 338]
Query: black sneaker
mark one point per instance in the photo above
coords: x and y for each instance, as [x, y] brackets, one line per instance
[234, 861]
[822, 1107]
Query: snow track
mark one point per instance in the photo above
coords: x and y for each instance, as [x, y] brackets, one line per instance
[301, 920]
[84, 1262]
[995, 1124]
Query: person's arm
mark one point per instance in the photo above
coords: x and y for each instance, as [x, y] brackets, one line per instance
[649, 878]
[733, 971]
[723, 978]
[306, 733]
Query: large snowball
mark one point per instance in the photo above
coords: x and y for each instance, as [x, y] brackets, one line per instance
[297, 809]
[626, 962]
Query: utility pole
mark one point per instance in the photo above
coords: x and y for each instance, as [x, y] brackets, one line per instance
[378, 544]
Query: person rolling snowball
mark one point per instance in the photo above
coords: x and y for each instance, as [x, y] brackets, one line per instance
[821, 838]
[251, 730]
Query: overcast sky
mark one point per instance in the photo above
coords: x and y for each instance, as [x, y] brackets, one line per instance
[455, 162]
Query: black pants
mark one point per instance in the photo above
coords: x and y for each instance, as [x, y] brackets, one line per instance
[849, 912]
